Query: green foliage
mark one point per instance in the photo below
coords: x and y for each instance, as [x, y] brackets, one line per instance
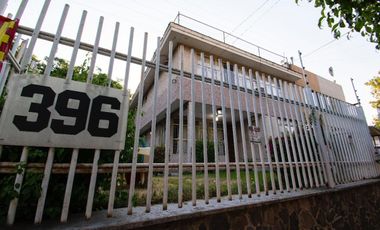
[159, 154]
[199, 151]
[374, 83]
[2, 100]
[357, 16]
[80, 73]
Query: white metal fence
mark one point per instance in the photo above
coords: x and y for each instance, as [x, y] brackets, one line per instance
[284, 137]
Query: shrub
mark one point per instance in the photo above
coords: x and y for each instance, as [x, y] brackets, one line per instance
[199, 151]
[159, 154]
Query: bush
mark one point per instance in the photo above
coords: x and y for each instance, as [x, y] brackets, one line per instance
[199, 151]
[159, 154]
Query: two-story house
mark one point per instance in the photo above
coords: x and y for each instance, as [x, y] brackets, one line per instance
[189, 39]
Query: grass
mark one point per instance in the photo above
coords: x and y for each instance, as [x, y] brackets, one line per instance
[158, 184]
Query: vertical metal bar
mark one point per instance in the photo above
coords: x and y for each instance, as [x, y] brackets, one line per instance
[236, 150]
[375, 168]
[74, 55]
[301, 130]
[167, 126]
[336, 143]
[111, 198]
[297, 134]
[215, 129]
[366, 145]
[309, 113]
[269, 160]
[348, 160]
[271, 134]
[193, 153]
[351, 127]
[1, 151]
[362, 147]
[248, 111]
[113, 52]
[306, 133]
[91, 189]
[204, 130]
[17, 186]
[137, 131]
[294, 150]
[57, 36]
[153, 129]
[95, 50]
[44, 187]
[350, 155]
[69, 186]
[21, 9]
[243, 136]
[137, 124]
[350, 124]
[317, 141]
[321, 140]
[180, 146]
[289, 162]
[28, 54]
[346, 134]
[257, 125]
[368, 158]
[225, 137]
[279, 134]
[343, 154]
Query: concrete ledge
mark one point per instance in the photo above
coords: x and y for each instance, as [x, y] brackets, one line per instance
[157, 217]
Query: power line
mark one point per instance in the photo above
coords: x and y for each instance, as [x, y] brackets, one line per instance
[260, 17]
[323, 46]
[245, 31]
[250, 15]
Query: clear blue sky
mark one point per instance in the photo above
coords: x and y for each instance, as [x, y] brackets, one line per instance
[281, 26]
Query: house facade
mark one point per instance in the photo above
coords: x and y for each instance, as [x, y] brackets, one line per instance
[223, 62]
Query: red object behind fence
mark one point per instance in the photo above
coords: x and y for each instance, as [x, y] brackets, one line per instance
[8, 29]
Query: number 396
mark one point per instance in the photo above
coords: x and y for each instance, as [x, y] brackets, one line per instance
[61, 106]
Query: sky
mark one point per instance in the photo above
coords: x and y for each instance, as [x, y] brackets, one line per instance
[281, 26]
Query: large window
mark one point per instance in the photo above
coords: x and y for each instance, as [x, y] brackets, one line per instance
[229, 76]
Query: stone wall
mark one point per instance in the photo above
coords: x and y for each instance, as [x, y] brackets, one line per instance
[355, 207]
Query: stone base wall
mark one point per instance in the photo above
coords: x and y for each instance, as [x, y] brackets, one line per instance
[355, 207]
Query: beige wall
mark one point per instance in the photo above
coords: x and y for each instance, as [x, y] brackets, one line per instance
[320, 84]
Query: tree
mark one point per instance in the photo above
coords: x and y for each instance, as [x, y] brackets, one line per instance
[374, 83]
[361, 16]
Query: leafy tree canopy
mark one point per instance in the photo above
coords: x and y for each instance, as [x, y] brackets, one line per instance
[61, 66]
[361, 16]
[374, 83]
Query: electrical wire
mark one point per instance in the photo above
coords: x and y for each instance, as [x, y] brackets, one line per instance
[323, 46]
[249, 16]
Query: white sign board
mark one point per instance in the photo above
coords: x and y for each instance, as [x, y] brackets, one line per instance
[52, 112]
